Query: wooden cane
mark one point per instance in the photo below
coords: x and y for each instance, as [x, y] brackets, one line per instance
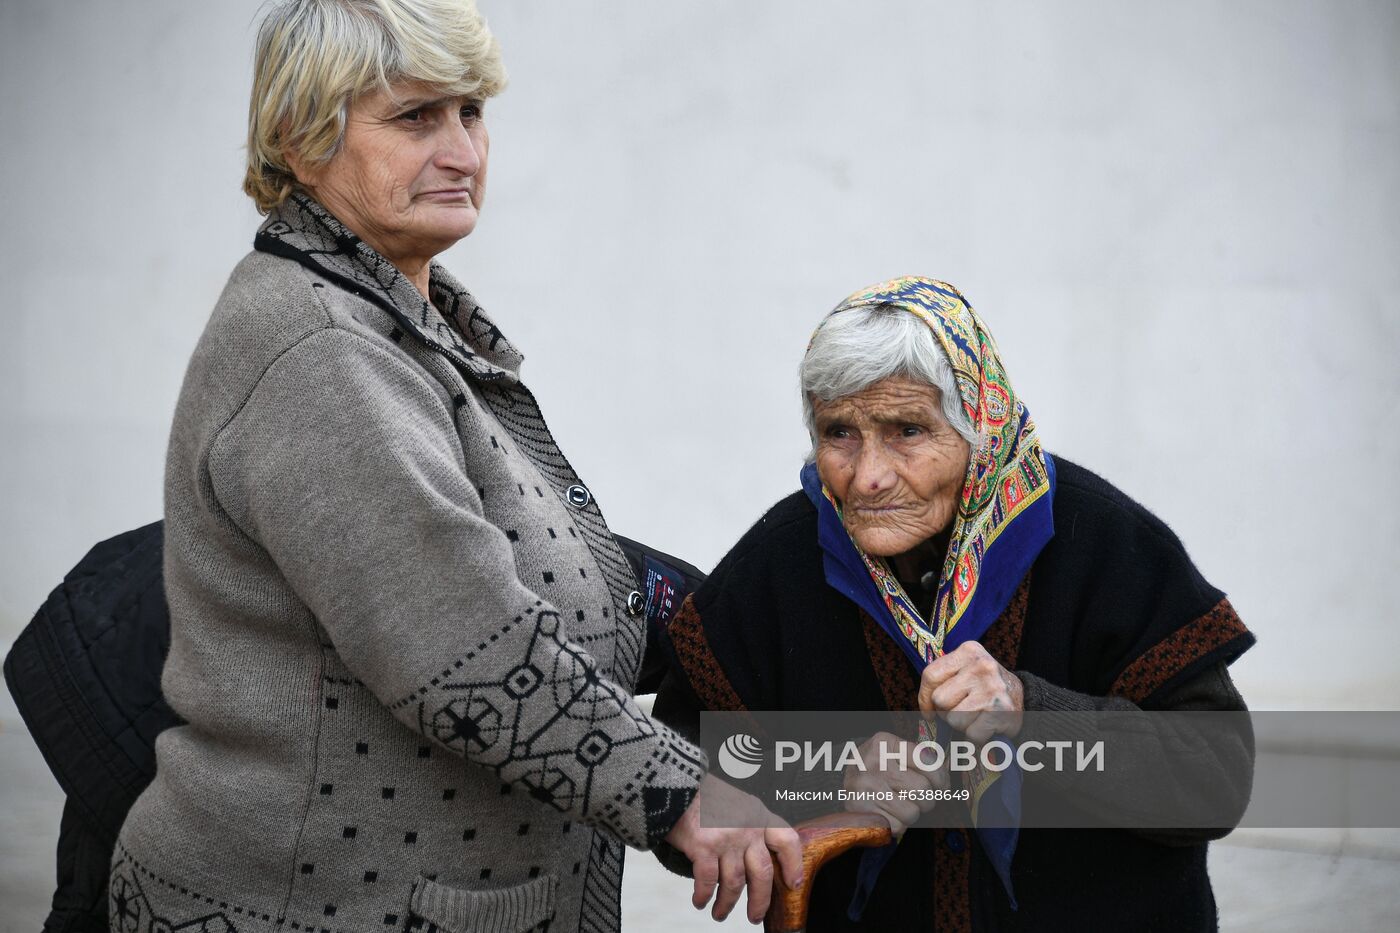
[822, 838]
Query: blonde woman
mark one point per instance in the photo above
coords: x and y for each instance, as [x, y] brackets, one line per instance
[403, 638]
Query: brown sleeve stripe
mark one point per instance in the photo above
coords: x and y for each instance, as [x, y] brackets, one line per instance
[1173, 654]
[702, 668]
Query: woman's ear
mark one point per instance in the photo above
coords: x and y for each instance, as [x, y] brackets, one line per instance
[308, 173]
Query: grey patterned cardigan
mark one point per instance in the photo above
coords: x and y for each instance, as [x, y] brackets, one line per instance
[402, 636]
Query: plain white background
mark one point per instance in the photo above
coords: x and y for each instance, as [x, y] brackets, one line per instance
[1182, 222]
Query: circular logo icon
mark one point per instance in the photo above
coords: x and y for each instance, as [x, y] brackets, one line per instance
[740, 756]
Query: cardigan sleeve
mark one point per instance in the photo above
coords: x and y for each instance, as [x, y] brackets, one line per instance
[346, 467]
[1178, 764]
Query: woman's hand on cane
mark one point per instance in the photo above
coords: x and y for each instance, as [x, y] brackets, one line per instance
[728, 859]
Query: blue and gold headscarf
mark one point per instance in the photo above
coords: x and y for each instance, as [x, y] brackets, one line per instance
[1002, 523]
[1003, 518]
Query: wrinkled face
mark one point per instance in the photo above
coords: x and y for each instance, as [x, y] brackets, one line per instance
[410, 174]
[891, 458]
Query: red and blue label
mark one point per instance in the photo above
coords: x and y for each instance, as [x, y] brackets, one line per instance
[665, 591]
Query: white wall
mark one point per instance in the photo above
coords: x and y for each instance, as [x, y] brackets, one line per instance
[1182, 222]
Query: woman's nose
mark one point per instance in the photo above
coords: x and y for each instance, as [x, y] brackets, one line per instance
[459, 151]
[874, 472]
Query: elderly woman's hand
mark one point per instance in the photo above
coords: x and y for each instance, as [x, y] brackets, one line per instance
[888, 769]
[973, 693]
[730, 857]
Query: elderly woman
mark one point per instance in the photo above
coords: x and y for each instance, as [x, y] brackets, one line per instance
[403, 638]
[937, 558]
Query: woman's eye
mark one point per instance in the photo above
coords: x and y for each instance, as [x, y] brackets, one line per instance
[471, 113]
[412, 116]
[838, 431]
[910, 430]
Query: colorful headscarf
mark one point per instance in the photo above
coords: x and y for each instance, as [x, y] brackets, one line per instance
[1002, 522]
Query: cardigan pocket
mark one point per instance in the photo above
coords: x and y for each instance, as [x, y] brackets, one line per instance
[519, 909]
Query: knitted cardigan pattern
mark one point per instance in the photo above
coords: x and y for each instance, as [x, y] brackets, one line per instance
[402, 636]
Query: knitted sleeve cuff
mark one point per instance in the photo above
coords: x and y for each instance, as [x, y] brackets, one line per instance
[664, 809]
[673, 860]
[1039, 695]
[670, 787]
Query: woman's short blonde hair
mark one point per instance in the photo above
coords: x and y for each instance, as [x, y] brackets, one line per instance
[315, 57]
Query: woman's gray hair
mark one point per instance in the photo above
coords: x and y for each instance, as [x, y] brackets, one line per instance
[857, 348]
[315, 57]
